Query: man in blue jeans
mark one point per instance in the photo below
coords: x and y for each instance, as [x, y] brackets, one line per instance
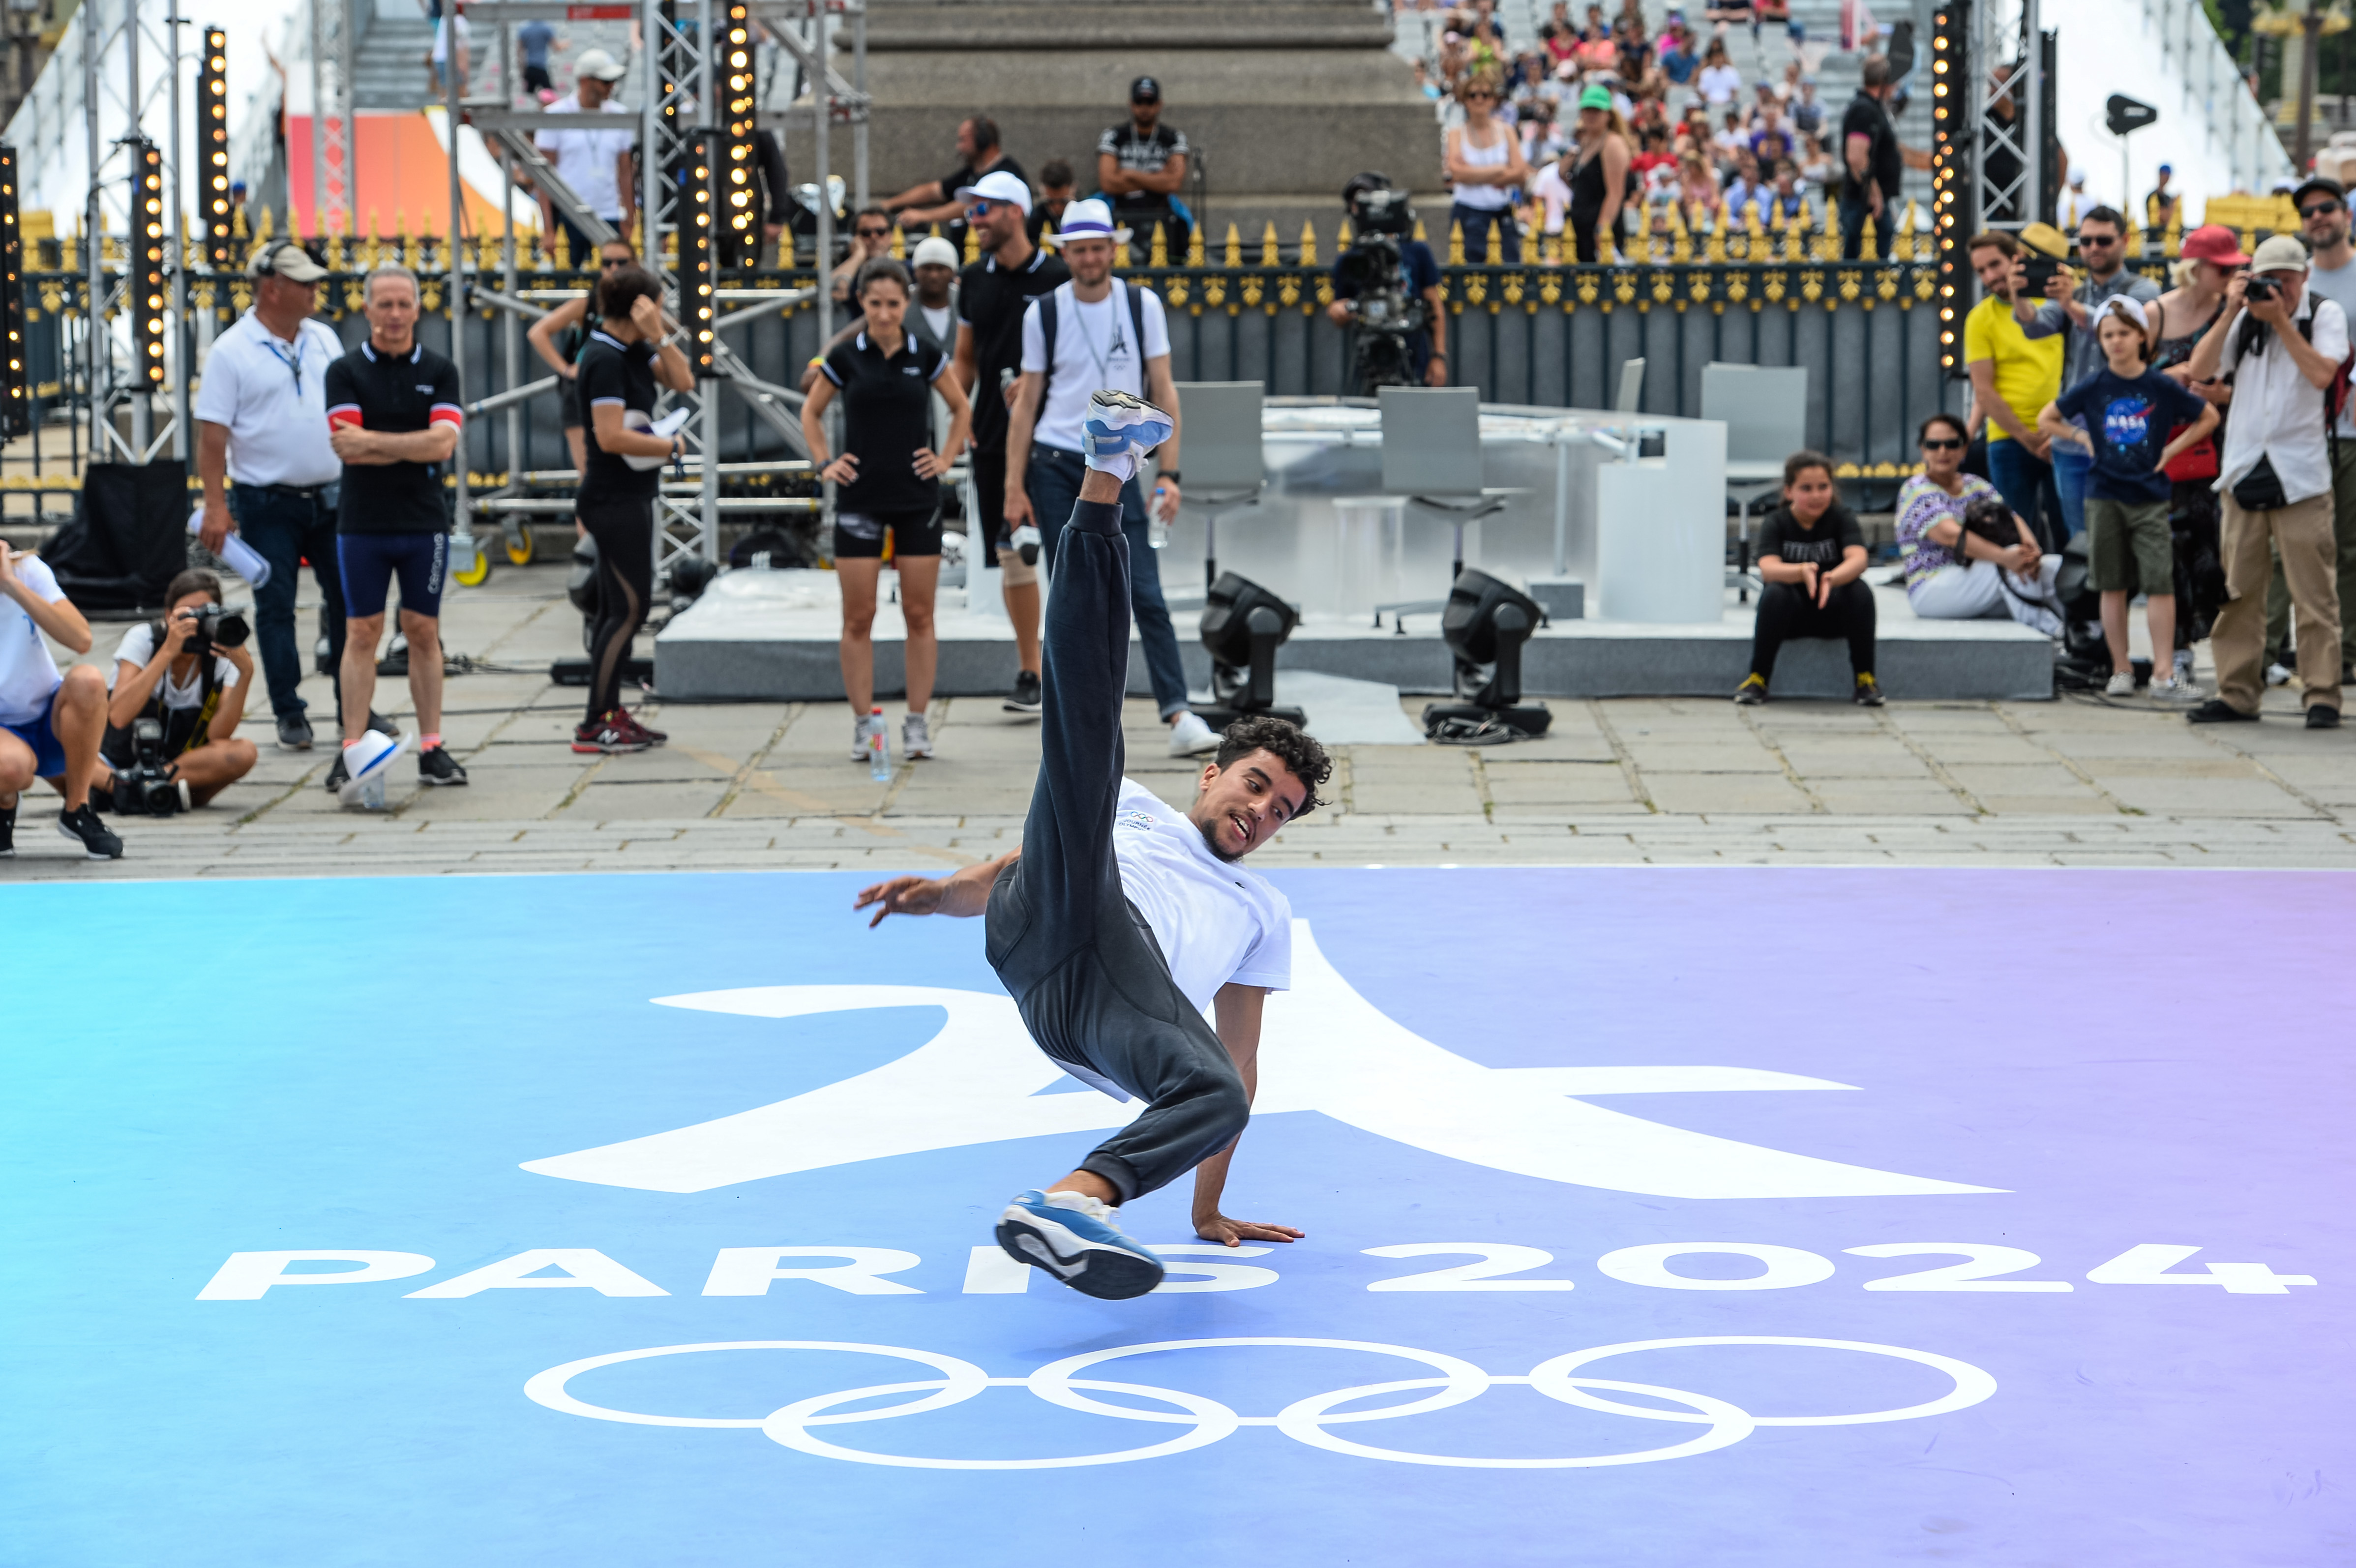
[1100, 331]
[1121, 920]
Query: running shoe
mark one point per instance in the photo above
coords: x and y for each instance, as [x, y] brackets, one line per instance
[1025, 542]
[293, 732]
[610, 732]
[916, 736]
[859, 739]
[1025, 698]
[1867, 693]
[8, 832]
[336, 775]
[1189, 737]
[2122, 684]
[657, 736]
[383, 725]
[1075, 1238]
[81, 824]
[1120, 424]
[438, 767]
[1751, 692]
[2172, 691]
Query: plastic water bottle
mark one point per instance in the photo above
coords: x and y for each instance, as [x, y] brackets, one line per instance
[878, 747]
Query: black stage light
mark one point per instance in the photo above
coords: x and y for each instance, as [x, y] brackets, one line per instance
[16, 375]
[1243, 626]
[150, 284]
[212, 153]
[1485, 624]
[1951, 191]
[698, 250]
[738, 193]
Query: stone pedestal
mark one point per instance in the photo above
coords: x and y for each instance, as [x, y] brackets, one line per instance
[1285, 99]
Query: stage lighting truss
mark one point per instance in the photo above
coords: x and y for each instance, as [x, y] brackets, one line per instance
[212, 151]
[699, 244]
[151, 278]
[1953, 210]
[16, 382]
[738, 191]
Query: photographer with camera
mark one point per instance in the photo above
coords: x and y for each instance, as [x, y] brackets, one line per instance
[179, 693]
[1387, 285]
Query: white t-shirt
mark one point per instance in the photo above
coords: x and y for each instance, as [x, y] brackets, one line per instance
[943, 322]
[1550, 193]
[585, 159]
[28, 675]
[441, 35]
[1216, 922]
[1092, 350]
[138, 645]
[1719, 84]
[272, 396]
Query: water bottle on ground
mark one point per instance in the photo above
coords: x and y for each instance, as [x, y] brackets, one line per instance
[879, 746]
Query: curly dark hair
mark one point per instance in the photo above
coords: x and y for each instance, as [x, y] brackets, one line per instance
[1297, 750]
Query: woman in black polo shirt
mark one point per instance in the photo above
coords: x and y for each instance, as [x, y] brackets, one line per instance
[558, 337]
[888, 476]
[620, 368]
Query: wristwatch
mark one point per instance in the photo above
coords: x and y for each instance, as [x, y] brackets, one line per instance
[1168, 475]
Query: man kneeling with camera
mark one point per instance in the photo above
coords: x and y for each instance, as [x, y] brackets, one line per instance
[179, 693]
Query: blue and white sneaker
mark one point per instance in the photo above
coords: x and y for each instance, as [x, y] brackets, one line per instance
[1073, 1237]
[1122, 425]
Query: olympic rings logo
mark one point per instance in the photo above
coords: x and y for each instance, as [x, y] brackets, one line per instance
[1308, 1420]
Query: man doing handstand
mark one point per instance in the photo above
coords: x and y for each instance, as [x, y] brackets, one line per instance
[1119, 919]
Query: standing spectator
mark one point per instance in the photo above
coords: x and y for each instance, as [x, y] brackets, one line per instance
[2122, 415]
[2181, 318]
[2331, 275]
[870, 237]
[533, 41]
[992, 294]
[1485, 162]
[1056, 191]
[2102, 246]
[2160, 206]
[2013, 377]
[265, 461]
[2285, 347]
[1719, 82]
[936, 201]
[1142, 164]
[1599, 175]
[453, 20]
[1872, 164]
[50, 724]
[1811, 557]
[1951, 573]
[932, 315]
[596, 165]
[2074, 204]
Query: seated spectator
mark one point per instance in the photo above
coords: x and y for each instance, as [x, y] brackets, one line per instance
[1698, 193]
[1816, 165]
[1056, 193]
[871, 236]
[200, 707]
[1771, 142]
[1550, 196]
[1423, 84]
[1783, 198]
[1656, 165]
[1744, 191]
[1731, 144]
[1951, 573]
[1811, 558]
[1678, 58]
[1807, 114]
[50, 724]
[1719, 80]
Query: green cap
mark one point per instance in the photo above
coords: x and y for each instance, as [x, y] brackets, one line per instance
[1595, 95]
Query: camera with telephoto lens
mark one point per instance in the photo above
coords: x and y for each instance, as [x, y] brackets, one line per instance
[216, 627]
[1389, 314]
[2261, 286]
[145, 788]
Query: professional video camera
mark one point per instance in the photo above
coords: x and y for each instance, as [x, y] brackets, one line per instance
[1389, 315]
[145, 788]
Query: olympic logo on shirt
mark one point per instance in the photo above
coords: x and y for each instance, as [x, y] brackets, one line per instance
[1307, 1420]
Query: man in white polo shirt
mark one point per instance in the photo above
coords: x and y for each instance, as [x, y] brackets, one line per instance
[596, 164]
[265, 462]
[1099, 331]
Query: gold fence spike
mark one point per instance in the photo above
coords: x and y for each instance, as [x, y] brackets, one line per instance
[1308, 243]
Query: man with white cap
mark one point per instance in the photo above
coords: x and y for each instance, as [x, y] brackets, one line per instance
[2285, 347]
[992, 295]
[933, 319]
[596, 164]
[1099, 331]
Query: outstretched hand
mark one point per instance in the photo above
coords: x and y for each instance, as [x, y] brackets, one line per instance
[901, 895]
[1234, 1232]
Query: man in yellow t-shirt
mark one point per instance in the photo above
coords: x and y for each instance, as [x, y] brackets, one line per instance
[2013, 376]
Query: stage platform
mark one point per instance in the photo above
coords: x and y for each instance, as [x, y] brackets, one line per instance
[631, 1221]
[772, 635]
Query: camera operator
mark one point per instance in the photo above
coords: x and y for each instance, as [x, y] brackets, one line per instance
[1387, 284]
[192, 681]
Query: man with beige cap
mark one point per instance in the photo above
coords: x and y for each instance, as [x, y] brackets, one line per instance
[2285, 346]
[596, 164]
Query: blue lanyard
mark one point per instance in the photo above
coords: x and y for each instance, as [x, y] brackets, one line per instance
[293, 362]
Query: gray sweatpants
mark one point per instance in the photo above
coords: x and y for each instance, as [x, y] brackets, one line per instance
[1080, 962]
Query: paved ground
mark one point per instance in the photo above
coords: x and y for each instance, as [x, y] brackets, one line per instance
[1667, 781]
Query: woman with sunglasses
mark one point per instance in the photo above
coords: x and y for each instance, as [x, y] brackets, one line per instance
[1951, 573]
[561, 336]
[1485, 163]
[870, 237]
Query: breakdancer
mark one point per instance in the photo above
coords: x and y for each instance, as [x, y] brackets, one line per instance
[1120, 918]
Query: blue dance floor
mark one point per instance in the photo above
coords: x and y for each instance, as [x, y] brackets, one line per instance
[1783, 1218]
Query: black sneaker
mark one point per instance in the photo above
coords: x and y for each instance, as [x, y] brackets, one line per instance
[8, 832]
[83, 827]
[1867, 693]
[383, 725]
[2321, 717]
[338, 775]
[1024, 698]
[1751, 692]
[293, 732]
[439, 767]
[2217, 710]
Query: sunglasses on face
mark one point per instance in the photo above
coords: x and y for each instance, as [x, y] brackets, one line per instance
[2091, 240]
[2320, 207]
[1942, 444]
[612, 261]
[873, 233]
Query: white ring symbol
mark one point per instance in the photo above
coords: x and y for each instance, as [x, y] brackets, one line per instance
[1304, 1420]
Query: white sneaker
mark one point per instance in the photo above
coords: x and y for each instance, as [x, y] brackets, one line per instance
[1122, 424]
[2173, 691]
[916, 736]
[2122, 685]
[1025, 542]
[2278, 675]
[1189, 737]
[859, 739]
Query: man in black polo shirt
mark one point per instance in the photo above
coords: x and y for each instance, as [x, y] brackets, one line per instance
[393, 416]
[1141, 165]
[992, 294]
[1871, 165]
[935, 201]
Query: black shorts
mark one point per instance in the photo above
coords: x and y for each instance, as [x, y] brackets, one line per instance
[568, 402]
[536, 78]
[859, 536]
[370, 562]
